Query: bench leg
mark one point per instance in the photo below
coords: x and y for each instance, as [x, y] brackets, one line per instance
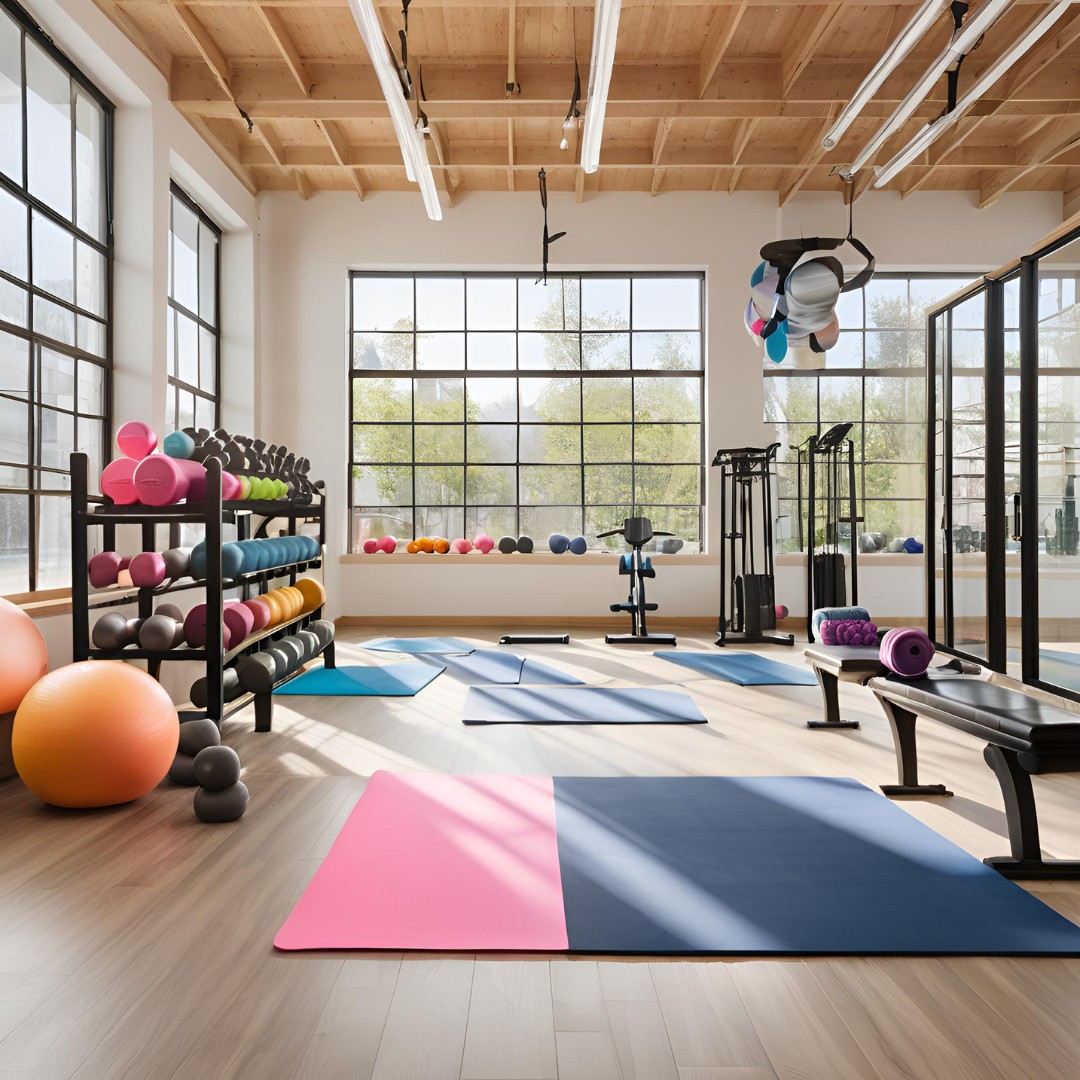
[264, 711]
[902, 722]
[1026, 860]
[829, 684]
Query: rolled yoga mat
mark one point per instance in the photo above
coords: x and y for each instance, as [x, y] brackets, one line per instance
[907, 651]
[847, 632]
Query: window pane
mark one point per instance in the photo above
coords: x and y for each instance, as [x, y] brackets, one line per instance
[540, 522]
[887, 302]
[492, 442]
[554, 306]
[440, 351]
[491, 484]
[684, 522]
[89, 166]
[605, 352]
[382, 485]
[666, 484]
[668, 352]
[208, 246]
[382, 400]
[666, 303]
[550, 400]
[90, 435]
[667, 443]
[10, 109]
[205, 412]
[48, 122]
[56, 435]
[496, 521]
[550, 485]
[13, 222]
[443, 485]
[605, 304]
[14, 365]
[491, 399]
[89, 278]
[896, 348]
[382, 303]
[382, 442]
[608, 442]
[607, 399]
[374, 521]
[609, 483]
[375, 351]
[552, 351]
[90, 335]
[491, 351]
[185, 408]
[445, 521]
[439, 400]
[554, 443]
[57, 380]
[439, 442]
[440, 304]
[54, 259]
[53, 321]
[14, 544]
[14, 305]
[669, 399]
[897, 520]
[491, 303]
[185, 256]
[207, 361]
[840, 399]
[54, 542]
[187, 350]
[14, 431]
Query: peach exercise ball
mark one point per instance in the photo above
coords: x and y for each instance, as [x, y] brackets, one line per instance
[94, 733]
[23, 656]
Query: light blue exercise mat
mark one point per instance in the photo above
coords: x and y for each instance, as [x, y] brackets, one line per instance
[486, 666]
[419, 645]
[578, 705]
[745, 669]
[391, 680]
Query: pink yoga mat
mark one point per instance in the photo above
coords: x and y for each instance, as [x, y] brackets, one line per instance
[428, 861]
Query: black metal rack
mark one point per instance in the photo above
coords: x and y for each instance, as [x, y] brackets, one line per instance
[89, 512]
[829, 456]
[746, 473]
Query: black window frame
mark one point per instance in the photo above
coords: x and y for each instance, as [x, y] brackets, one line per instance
[36, 489]
[517, 373]
[173, 382]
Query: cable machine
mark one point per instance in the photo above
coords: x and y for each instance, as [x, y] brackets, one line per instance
[746, 476]
[829, 460]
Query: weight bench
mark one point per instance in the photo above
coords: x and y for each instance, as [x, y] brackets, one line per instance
[1024, 736]
[834, 664]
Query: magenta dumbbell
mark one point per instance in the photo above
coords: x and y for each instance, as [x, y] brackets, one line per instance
[103, 569]
[195, 628]
[136, 439]
[117, 481]
[161, 480]
[239, 620]
[147, 570]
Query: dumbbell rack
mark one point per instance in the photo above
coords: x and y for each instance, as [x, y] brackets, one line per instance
[96, 511]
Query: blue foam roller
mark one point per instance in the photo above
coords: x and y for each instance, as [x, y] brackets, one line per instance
[578, 546]
[558, 543]
[837, 614]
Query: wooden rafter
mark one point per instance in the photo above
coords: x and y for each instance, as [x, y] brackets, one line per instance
[797, 59]
[721, 30]
[811, 155]
[275, 27]
[208, 48]
[1032, 155]
[342, 155]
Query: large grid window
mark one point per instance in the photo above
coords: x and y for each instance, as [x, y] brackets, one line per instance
[194, 342]
[874, 378]
[55, 278]
[489, 403]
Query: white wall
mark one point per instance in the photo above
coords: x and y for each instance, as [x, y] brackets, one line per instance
[306, 249]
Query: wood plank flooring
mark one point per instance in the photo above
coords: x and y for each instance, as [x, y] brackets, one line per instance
[135, 942]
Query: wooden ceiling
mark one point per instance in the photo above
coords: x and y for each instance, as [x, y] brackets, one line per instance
[728, 95]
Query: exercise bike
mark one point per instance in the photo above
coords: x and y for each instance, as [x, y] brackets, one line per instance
[637, 532]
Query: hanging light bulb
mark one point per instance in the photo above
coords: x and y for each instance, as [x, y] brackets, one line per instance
[563, 144]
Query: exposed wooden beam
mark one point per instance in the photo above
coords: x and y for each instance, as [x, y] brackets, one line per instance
[159, 56]
[811, 155]
[275, 27]
[488, 4]
[663, 130]
[725, 22]
[227, 153]
[1037, 156]
[796, 60]
[579, 184]
[657, 180]
[268, 137]
[342, 155]
[510, 153]
[303, 185]
[208, 48]
[1070, 202]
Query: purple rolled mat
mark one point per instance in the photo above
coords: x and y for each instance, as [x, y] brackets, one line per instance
[907, 651]
[847, 632]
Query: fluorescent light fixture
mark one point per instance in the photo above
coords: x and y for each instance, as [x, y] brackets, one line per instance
[410, 137]
[962, 43]
[605, 31]
[920, 22]
[932, 132]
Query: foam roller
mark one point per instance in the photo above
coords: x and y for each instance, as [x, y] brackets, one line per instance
[838, 613]
[847, 632]
[907, 652]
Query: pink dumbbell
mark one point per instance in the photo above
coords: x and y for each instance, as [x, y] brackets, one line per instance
[103, 569]
[161, 481]
[147, 570]
[239, 620]
[136, 440]
[117, 481]
[195, 628]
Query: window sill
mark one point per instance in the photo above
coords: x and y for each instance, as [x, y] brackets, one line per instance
[43, 603]
[592, 558]
[884, 558]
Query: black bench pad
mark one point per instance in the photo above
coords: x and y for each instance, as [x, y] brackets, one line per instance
[1046, 735]
[846, 660]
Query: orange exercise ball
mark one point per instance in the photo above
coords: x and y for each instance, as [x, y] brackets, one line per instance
[96, 733]
[23, 656]
[313, 592]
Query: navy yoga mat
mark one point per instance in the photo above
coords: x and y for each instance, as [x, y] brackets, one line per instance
[419, 645]
[578, 705]
[779, 866]
[390, 680]
[492, 666]
[746, 669]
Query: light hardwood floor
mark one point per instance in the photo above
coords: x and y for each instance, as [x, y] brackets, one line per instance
[136, 942]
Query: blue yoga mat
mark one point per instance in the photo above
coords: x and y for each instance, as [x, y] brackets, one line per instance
[746, 669]
[779, 865]
[392, 680]
[578, 705]
[484, 666]
[419, 645]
